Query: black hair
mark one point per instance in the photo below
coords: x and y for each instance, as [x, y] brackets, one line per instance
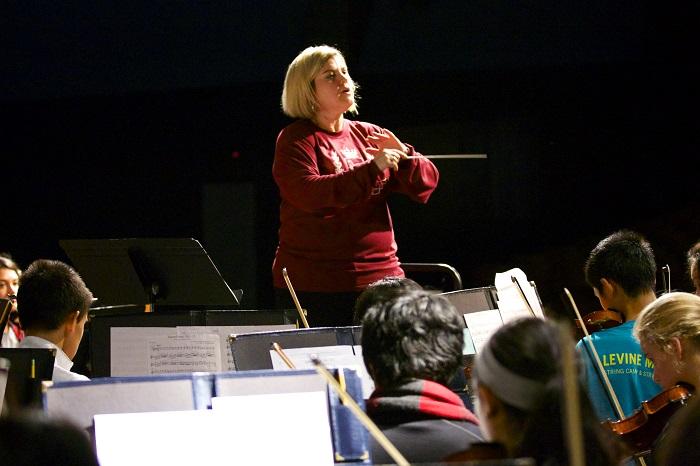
[413, 335]
[379, 291]
[530, 348]
[625, 257]
[49, 291]
[33, 440]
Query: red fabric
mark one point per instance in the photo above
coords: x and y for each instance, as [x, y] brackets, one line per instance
[418, 399]
[336, 233]
[19, 333]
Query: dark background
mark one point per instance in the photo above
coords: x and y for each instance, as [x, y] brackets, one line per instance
[158, 119]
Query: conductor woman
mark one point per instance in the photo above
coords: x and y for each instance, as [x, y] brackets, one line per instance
[334, 176]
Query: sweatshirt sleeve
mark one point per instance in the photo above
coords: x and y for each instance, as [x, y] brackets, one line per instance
[296, 172]
[417, 178]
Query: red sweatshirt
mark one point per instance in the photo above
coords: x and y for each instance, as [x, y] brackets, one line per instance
[336, 233]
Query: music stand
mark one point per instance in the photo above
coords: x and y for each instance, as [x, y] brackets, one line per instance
[28, 367]
[163, 271]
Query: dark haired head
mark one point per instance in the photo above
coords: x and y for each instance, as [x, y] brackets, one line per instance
[380, 291]
[413, 335]
[530, 348]
[626, 258]
[49, 292]
[6, 262]
[39, 441]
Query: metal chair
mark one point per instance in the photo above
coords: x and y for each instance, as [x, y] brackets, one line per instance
[433, 275]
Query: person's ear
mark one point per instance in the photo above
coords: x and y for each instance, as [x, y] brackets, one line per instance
[607, 286]
[71, 322]
[675, 346]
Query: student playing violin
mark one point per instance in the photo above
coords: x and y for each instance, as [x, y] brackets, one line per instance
[669, 332]
[622, 272]
[520, 387]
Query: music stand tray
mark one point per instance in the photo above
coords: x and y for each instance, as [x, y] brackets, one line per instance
[164, 271]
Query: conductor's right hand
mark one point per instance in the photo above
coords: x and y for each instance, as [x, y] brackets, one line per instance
[387, 158]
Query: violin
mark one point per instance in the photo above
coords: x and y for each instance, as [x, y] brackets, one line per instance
[640, 430]
[598, 320]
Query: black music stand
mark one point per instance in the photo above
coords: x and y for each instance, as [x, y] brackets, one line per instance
[172, 272]
[28, 367]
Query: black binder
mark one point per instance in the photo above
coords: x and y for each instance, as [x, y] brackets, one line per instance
[157, 271]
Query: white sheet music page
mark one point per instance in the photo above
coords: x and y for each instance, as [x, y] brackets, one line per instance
[183, 353]
[270, 425]
[223, 332]
[332, 356]
[510, 302]
[482, 325]
[262, 429]
[129, 349]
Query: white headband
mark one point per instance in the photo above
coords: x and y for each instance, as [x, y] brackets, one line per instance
[508, 386]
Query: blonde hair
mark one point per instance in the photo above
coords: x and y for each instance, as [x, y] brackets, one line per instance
[673, 315]
[298, 94]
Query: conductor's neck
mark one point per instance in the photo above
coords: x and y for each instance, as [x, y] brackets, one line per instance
[329, 122]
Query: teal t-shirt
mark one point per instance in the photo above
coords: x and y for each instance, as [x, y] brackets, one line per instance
[629, 371]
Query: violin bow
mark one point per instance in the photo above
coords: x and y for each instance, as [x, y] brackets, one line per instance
[4, 315]
[278, 349]
[666, 272]
[601, 369]
[294, 297]
[360, 414]
[572, 405]
[522, 295]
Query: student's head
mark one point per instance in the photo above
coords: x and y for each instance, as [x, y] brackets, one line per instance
[624, 259]
[9, 276]
[52, 295]
[34, 440]
[380, 291]
[299, 96]
[669, 331]
[519, 381]
[412, 335]
[694, 266]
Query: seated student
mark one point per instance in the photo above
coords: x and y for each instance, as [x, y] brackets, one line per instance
[412, 345]
[9, 280]
[520, 390]
[694, 266]
[39, 441]
[380, 291]
[53, 303]
[669, 332]
[622, 272]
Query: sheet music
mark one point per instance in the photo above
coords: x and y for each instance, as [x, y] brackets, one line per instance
[182, 353]
[510, 302]
[275, 418]
[332, 357]
[482, 325]
[260, 431]
[129, 348]
[132, 353]
[224, 331]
